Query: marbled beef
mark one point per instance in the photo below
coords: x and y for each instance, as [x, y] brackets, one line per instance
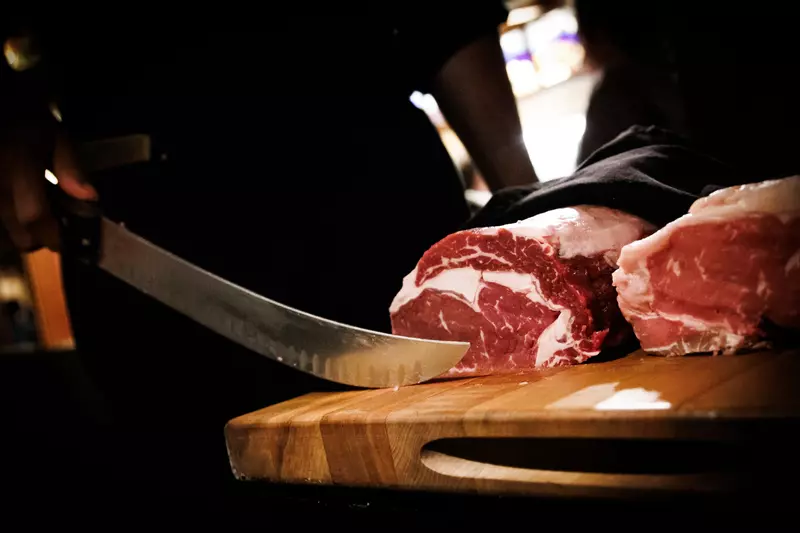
[532, 294]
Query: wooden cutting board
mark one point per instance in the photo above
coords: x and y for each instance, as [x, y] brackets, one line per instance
[634, 426]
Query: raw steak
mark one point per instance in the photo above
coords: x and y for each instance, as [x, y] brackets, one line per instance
[536, 293]
[721, 278]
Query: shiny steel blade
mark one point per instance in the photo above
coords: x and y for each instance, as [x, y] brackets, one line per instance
[327, 349]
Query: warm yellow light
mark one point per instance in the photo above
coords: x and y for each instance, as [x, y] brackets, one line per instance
[19, 53]
[11, 55]
[55, 111]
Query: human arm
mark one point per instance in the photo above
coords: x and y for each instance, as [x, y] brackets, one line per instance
[474, 95]
[451, 49]
[30, 142]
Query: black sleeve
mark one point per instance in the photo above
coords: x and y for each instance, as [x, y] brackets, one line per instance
[646, 171]
[429, 32]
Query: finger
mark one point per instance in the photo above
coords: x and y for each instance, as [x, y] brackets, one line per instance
[26, 217]
[20, 202]
[67, 171]
[28, 189]
[24, 205]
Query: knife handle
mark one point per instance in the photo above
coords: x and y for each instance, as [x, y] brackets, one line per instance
[79, 226]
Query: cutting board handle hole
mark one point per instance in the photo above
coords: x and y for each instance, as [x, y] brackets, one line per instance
[586, 455]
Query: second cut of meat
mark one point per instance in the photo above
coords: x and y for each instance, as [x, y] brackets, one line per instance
[722, 278]
[533, 294]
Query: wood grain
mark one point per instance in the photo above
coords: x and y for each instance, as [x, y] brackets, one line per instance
[633, 426]
[43, 270]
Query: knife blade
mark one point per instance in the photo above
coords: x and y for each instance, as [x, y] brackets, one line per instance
[325, 348]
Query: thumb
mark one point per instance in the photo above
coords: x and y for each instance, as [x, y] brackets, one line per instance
[68, 172]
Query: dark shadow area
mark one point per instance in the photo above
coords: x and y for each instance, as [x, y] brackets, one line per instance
[613, 353]
[608, 456]
[57, 463]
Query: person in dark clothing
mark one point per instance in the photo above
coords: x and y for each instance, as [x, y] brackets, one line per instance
[289, 161]
[717, 75]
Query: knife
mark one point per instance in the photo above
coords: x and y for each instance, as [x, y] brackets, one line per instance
[325, 348]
